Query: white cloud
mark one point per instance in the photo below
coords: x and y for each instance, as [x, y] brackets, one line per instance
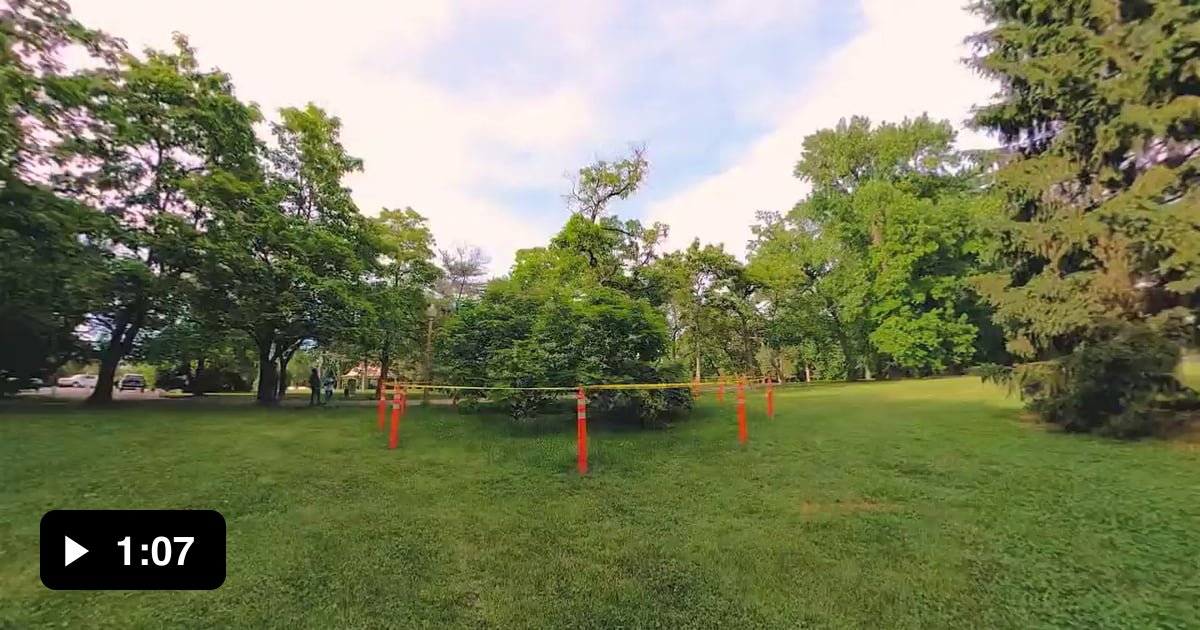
[447, 151]
[905, 62]
[422, 145]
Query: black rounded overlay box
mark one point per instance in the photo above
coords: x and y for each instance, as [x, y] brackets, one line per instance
[133, 549]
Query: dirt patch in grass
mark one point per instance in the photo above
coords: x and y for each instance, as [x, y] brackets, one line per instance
[813, 510]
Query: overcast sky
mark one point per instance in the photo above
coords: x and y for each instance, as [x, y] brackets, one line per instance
[473, 112]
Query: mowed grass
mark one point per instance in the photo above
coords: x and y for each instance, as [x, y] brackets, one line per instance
[911, 504]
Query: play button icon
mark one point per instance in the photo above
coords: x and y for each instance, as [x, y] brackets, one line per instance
[72, 551]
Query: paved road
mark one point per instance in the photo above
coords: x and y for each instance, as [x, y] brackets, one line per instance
[295, 397]
[79, 393]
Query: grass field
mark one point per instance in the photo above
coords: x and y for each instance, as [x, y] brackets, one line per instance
[911, 504]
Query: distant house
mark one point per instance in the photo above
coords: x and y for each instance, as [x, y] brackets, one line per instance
[364, 376]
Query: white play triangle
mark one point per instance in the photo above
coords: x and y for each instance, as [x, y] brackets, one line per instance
[73, 551]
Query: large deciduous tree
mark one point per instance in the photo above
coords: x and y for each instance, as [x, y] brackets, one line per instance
[1098, 243]
[50, 260]
[712, 310]
[286, 251]
[155, 125]
[395, 323]
[876, 258]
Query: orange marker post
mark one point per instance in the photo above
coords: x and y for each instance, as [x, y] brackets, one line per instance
[581, 430]
[770, 399]
[397, 402]
[741, 412]
[382, 405]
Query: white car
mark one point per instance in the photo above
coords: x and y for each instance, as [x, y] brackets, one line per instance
[79, 380]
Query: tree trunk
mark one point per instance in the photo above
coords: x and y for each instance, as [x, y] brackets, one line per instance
[807, 373]
[103, 393]
[118, 346]
[198, 378]
[281, 392]
[266, 394]
[385, 360]
[848, 360]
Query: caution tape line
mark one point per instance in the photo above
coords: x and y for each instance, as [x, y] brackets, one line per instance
[608, 386]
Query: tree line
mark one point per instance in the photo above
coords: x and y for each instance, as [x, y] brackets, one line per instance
[148, 211]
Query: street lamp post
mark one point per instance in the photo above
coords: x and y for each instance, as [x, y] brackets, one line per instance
[430, 313]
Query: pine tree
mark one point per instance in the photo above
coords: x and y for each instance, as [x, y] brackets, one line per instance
[1099, 109]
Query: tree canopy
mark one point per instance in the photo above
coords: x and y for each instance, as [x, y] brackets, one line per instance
[149, 213]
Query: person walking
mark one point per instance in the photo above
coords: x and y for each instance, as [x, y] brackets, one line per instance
[314, 384]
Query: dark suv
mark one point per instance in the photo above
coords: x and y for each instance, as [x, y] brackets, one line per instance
[131, 382]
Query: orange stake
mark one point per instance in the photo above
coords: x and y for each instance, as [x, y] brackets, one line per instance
[770, 399]
[581, 430]
[741, 412]
[397, 402]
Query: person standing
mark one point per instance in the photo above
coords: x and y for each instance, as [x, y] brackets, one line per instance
[329, 382]
[314, 384]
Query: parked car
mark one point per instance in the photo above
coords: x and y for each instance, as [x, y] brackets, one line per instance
[132, 382]
[79, 380]
[18, 383]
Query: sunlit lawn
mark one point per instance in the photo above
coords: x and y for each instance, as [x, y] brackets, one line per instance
[910, 504]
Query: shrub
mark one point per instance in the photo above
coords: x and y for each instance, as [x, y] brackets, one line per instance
[1121, 385]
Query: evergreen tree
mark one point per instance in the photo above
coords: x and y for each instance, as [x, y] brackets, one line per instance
[1099, 241]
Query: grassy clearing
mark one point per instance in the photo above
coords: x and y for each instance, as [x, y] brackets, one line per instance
[912, 504]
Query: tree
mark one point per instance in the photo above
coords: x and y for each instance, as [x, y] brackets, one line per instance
[49, 255]
[464, 269]
[395, 321]
[154, 127]
[1099, 109]
[712, 307]
[815, 295]
[580, 310]
[601, 182]
[879, 251]
[617, 253]
[189, 354]
[286, 251]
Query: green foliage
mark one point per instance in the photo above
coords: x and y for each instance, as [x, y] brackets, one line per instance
[393, 325]
[873, 262]
[50, 262]
[1100, 112]
[578, 311]
[155, 126]
[286, 251]
[1099, 109]
[516, 336]
[1121, 385]
[712, 310]
[602, 182]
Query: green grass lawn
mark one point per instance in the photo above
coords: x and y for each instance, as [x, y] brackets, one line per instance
[910, 504]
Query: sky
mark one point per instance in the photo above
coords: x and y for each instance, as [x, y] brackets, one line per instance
[475, 113]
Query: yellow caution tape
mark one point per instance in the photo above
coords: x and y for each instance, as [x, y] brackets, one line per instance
[610, 386]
